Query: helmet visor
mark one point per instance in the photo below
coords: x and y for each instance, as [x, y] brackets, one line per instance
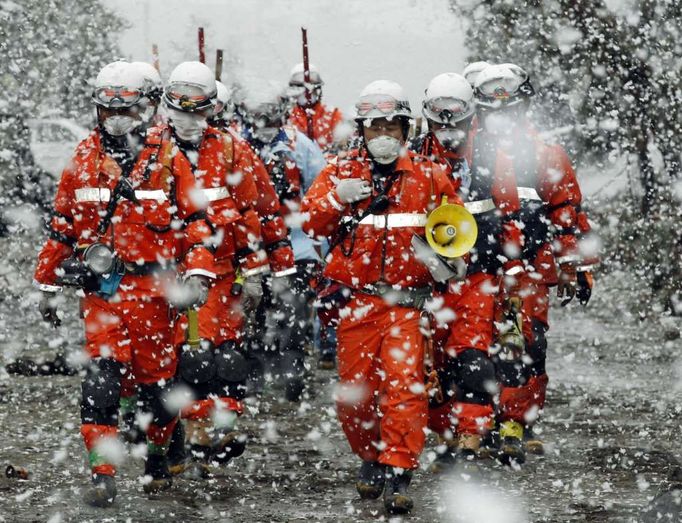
[116, 97]
[446, 110]
[380, 106]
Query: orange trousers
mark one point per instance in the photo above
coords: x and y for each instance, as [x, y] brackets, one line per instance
[524, 403]
[381, 401]
[472, 303]
[220, 320]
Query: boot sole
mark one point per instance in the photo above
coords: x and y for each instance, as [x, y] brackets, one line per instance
[511, 456]
[397, 505]
[369, 492]
[157, 485]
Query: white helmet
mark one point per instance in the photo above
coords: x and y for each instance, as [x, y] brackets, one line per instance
[222, 97]
[118, 85]
[472, 71]
[449, 99]
[502, 85]
[382, 99]
[153, 85]
[296, 75]
[191, 88]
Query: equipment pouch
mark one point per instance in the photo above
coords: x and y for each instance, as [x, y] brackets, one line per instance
[108, 283]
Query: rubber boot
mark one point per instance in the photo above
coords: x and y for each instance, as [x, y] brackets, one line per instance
[371, 480]
[396, 498]
[445, 456]
[177, 455]
[102, 493]
[156, 467]
[532, 442]
[232, 445]
[197, 466]
[200, 449]
[511, 443]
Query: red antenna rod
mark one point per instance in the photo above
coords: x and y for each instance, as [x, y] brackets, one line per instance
[306, 82]
[202, 50]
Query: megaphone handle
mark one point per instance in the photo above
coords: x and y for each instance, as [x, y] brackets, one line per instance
[193, 339]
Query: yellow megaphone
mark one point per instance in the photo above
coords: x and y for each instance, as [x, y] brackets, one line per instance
[451, 230]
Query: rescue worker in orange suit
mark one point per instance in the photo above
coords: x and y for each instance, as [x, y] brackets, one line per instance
[276, 241]
[293, 161]
[541, 179]
[153, 89]
[216, 372]
[466, 307]
[369, 206]
[120, 223]
[308, 103]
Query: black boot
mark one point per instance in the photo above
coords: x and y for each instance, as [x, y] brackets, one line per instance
[102, 493]
[197, 467]
[232, 445]
[157, 467]
[177, 456]
[371, 480]
[511, 452]
[396, 498]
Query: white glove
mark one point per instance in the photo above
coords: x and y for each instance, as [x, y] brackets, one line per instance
[193, 292]
[350, 190]
[252, 293]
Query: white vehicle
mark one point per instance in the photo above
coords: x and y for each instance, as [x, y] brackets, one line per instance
[53, 141]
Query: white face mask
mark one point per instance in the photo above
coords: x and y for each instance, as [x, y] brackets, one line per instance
[148, 113]
[266, 134]
[499, 124]
[302, 101]
[118, 125]
[384, 149]
[188, 126]
[450, 138]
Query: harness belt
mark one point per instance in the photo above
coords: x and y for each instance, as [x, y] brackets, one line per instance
[413, 297]
[96, 194]
[395, 220]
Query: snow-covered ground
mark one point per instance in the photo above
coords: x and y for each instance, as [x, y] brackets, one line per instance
[611, 427]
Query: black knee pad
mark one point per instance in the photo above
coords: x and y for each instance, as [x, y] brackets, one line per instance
[101, 392]
[230, 363]
[196, 365]
[511, 373]
[154, 399]
[475, 376]
[537, 350]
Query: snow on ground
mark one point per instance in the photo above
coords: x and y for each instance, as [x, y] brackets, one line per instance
[611, 428]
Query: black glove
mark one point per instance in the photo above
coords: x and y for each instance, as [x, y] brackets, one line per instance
[583, 292]
[48, 309]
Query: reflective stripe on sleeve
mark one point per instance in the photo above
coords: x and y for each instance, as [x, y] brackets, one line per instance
[92, 194]
[528, 193]
[480, 206]
[216, 193]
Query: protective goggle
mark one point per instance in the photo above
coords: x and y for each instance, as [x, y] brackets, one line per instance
[298, 79]
[385, 105]
[446, 110]
[266, 114]
[504, 91]
[189, 97]
[116, 97]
